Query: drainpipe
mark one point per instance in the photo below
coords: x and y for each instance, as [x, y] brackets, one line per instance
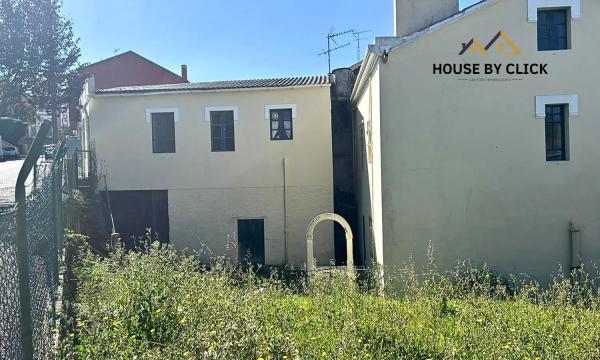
[575, 232]
[285, 212]
[114, 235]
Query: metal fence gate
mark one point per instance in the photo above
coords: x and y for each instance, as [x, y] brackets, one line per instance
[31, 235]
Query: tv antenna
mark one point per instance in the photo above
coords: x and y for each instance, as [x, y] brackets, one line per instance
[331, 36]
[358, 38]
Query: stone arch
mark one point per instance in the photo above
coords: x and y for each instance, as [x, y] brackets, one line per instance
[310, 263]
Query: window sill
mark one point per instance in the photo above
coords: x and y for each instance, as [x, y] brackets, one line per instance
[555, 51]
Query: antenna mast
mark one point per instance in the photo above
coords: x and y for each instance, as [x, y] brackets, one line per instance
[331, 38]
[358, 38]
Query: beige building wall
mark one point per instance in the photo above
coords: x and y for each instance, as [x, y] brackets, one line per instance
[415, 15]
[209, 191]
[368, 130]
[463, 162]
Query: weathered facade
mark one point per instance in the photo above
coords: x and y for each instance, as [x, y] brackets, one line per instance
[344, 191]
[495, 167]
[212, 160]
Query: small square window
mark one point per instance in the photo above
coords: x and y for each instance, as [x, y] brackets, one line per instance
[163, 132]
[281, 124]
[222, 131]
[553, 30]
[556, 133]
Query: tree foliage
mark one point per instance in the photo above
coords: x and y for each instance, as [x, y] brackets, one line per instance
[39, 56]
[11, 130]
[18, 60]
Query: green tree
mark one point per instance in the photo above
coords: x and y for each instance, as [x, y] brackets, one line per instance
[58, 78]
[39, 56]
[12, 130]
[19, 59]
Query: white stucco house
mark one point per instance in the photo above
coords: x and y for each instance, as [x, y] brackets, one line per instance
[477, 130]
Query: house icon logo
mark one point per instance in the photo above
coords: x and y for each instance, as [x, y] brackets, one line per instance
[501, 43]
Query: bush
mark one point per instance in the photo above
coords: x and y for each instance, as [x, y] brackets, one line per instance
[158, 305]
[76, 248]
[73, 209]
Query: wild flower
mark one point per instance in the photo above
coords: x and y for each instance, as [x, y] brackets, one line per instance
[165, 305]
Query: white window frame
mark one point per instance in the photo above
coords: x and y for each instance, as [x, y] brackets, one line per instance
[543, 100]
[150, 111]
[534, 5]
[209, 109]
[268, 109]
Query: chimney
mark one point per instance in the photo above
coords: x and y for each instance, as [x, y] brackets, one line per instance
[184, 72]
[415, 15]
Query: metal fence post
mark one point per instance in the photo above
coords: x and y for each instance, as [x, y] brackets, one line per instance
[22, 245]
[57, 198]
[35, 175]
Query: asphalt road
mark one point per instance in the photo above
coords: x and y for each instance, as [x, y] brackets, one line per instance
[9, 171]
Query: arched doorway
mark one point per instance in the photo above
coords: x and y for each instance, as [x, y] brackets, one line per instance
[310, 262]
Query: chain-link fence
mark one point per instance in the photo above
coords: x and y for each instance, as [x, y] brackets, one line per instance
[41, 250]
[10, 345]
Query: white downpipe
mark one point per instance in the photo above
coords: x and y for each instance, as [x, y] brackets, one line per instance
[285, 213]
[576, 255]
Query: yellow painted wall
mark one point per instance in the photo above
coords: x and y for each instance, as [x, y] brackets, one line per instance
[367, 121]
[209, 191]
[463, 162]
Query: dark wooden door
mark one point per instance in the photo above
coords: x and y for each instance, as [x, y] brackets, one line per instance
[251, 241]
[135, 212]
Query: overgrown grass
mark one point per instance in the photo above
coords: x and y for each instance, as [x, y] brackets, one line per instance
[161, 306]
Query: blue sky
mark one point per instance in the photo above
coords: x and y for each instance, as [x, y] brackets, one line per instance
[229, 39]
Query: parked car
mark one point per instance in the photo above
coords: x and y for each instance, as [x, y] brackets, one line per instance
[11, 152]
[49, 152]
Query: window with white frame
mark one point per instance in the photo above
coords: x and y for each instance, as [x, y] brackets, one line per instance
[281, 118]
[163, 133]
[222, 127]
[281, 124]
[553, 19]
[222, 131]
[553, 29]
[163, 129]
[557, 111]
[556, 127]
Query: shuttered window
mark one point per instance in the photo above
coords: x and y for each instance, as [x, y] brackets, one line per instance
[222, 131]
[163, 132]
